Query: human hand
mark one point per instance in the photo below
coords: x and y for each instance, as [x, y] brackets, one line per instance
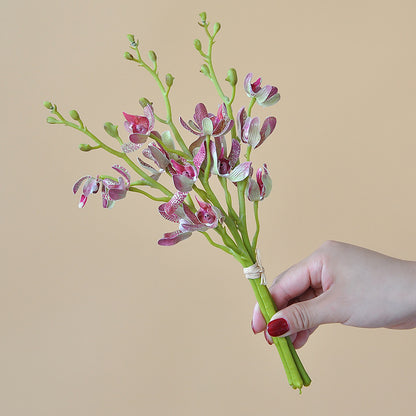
[341, 283]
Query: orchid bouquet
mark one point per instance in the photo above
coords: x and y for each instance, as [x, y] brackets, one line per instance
[192, 203]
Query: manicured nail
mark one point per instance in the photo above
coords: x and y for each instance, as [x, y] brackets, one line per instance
[252, 328]
[268, 338]
[277, 327]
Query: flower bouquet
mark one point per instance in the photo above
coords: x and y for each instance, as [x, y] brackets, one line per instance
[215, 153]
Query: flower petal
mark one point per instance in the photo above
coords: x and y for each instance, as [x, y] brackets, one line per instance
[137, 138]
[124, 172]
[240, 172]
[199, 158]
[234, 153]
[251, 131]
[187, 127]
[200, 113]
[267, 129]
[170, 239]
[78, 183]
[183, 183]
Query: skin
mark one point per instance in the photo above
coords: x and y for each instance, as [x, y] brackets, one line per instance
[343, 283]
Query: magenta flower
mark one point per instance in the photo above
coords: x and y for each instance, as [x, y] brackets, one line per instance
[249, 131]
[111, 190]
[265, 96]
[140, 127]
[260, 188]
[91, 186]
[184, 175]
[207, 124]
[226, 166]
[159, 156]
[205, 218]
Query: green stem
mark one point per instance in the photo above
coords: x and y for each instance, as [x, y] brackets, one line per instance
[256, 217]
[165, 94]
[250, 106]
[221, 247]
[154, 198]
[228, 199]
[242, 218]
[227, 101]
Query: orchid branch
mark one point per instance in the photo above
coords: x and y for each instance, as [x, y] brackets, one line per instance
[165, 93]
[121, 155]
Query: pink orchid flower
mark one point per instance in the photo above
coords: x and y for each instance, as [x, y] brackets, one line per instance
[91, 186]
[265, 96]
[111, 190]
[207, 124]
[249, 131]
[260, 188]
[205, 218]
[184, 175]
[139, 127]
[159, 156]
[226, 166]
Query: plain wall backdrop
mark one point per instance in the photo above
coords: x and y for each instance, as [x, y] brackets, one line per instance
[95, 317]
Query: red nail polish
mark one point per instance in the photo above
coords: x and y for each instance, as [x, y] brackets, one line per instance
[277, 327]
[252, 328]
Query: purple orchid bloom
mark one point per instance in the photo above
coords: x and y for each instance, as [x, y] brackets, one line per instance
[139, 127]
[91, 186]
[226, 166]
[265, 96]
[184, 175]
[159, 156]
[207, 124]
[249, 131]
[260, 188]
[206, 217]
[111, 190]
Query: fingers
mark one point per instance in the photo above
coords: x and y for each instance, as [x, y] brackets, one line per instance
[304, 316]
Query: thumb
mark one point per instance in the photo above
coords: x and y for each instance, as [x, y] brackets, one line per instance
[301, 316]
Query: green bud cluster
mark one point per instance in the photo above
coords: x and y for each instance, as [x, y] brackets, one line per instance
[144, 102]
[169, 80]
[217, 28]
[197, 44]
[74, 115]
[48, 105]
[111, 129]
[152, 56]
[85, 147]
[53, 120]
[128, 56]
[205, 70]
[203, 17]
[232, 77]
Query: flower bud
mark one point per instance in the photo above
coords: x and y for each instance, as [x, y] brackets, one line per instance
[130, 38]
[48, 105]
[217, 28]
[85, 147]
[152, 56]
[169, 80]
[144, 102]
[111, 129]
[128, 56]
[197, 44]
[52, 120]
[74, 115]
[205, 70]
[203, 17]
[232, 77]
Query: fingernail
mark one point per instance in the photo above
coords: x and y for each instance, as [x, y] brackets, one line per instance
[277, 327]
[252, 328]
[268, 338]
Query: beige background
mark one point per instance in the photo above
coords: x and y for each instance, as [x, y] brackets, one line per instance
[95, 318]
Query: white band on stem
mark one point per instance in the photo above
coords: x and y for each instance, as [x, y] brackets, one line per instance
[256, 270]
